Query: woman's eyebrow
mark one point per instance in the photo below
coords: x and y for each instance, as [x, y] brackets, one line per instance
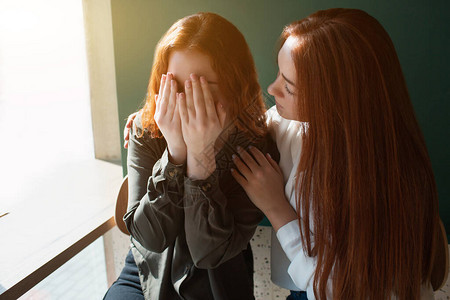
[287, 80]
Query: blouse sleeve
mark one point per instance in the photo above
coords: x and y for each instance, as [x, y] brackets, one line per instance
[215, 230]
[302, 267]
[220, 219]
[154, 216]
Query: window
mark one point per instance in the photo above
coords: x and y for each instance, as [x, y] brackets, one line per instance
[55, 197]
[44, 93]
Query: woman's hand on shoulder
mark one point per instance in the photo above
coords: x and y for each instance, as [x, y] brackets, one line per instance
[260, 176]
[262, 179]
[168, 119]
[127, 128]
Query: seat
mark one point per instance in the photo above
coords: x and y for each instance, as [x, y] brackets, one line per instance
[439, 271]
[121, 206]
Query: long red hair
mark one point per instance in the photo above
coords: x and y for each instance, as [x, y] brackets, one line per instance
[230, 58]
[364, 176]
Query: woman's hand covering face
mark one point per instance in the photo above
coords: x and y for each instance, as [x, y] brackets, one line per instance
[168, 120]
[202, 121]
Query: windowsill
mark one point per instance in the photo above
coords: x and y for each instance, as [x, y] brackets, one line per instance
[75, 207]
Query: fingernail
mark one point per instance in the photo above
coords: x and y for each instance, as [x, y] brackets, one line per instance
[181, 95]
[250, 147]
[232, 170]
[239, 148]
[193, 77]
[164, 76]
[268, 154]
[202, 79]
[188, 84]
[233, 156]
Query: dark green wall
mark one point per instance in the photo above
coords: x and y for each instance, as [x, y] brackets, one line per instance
[419, 28]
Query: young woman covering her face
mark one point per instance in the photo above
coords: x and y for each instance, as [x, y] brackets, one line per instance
[190, 221]
[365, 197]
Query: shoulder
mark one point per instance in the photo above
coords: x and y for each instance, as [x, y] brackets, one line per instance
[138, 128]
[272, 116]
[276, 125]
[283, 131]
[271, 113]
[265, 143]
[142, 136]
[279, 126]
[268, 145]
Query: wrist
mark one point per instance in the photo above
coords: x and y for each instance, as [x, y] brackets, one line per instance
[200, 166]
[177, 155]
[201, 150]
[280, 214]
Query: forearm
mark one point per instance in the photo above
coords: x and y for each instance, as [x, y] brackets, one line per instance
[177, 154]
[302, 266]
[280, 214]
[155, 215]
[217, 226]
[155, 224]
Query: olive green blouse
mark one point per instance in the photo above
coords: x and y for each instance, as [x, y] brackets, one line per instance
[190, 237]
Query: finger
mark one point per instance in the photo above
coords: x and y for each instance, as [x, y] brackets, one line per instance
[210, 108]
[248, 159]
[176, 111]
[131, 119]
[259, 157]
[158, 103]
[199, 101]
[126, 134]
[161, 92]
[165, 94]
[239, 178]
[182, 109]
[162, 84]
[172, 99]
[189, 99]
[274, 164]
[242, 167]
[126, 130]
[221, 113]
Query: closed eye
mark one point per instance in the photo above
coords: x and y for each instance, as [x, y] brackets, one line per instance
[288, 90]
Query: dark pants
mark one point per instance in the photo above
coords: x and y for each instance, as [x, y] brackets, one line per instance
[127, 286]
[295, 295]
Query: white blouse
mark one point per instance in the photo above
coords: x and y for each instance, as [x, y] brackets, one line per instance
[288, 136]
[291, 268]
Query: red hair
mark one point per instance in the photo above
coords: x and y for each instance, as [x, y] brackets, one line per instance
[364, 176]
[230, 58]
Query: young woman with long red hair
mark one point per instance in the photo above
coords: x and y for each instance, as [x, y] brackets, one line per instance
[365, 200]
[190, 222]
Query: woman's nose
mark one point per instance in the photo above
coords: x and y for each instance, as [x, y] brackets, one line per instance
[273, 89]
